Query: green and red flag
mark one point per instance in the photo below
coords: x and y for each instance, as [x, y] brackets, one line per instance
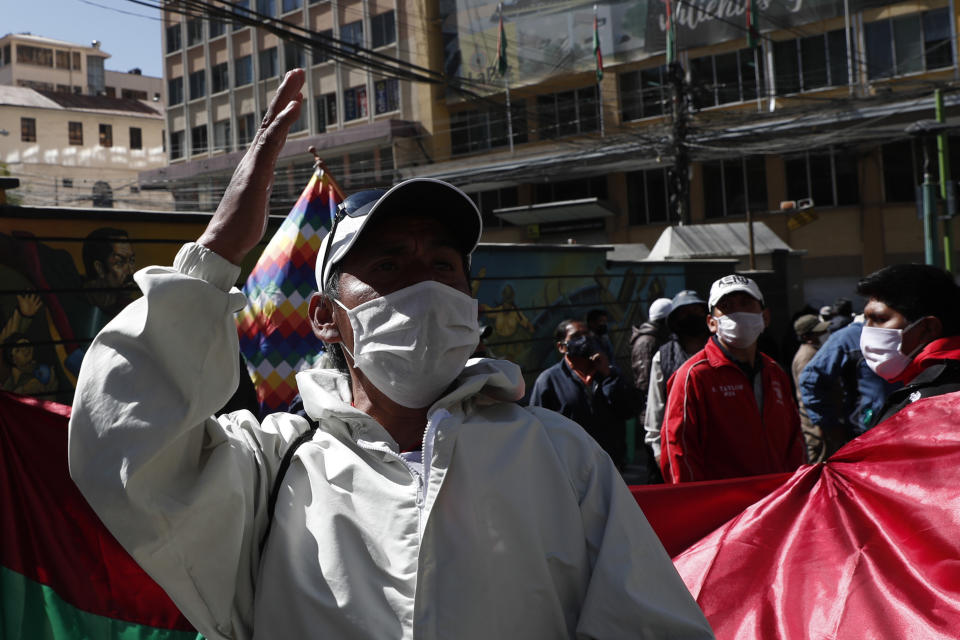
[62, 574]
[501, 47]
[596, 45]
[753, 32]
[671, 33]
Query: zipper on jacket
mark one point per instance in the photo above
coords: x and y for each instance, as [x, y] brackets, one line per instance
[416, 475]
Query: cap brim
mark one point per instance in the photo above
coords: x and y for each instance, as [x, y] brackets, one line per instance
[408, 198]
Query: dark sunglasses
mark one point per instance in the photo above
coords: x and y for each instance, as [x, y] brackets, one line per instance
[355, 205]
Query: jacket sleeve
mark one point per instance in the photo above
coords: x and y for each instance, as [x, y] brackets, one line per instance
[681, 446]
[653, 416]
[183, 493]
[543, 395]
[634, 590]
[819, 384]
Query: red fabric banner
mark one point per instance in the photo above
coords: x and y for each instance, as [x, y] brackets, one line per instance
[865, 545]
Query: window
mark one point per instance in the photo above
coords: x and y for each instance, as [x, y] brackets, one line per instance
[28, 129]
[595, 187]
[319, 54]
[361, 168]
[5, 57]
[268, 63]
[63, 88]
[292, 57]
[34, 55]
[909, 44]
[643, 93]
[175, 91]
[217, 28]
[568, 113]
[266, 7]
[647, 197]
[76, 60]
[386, 165]
[483, 129]
[246, 127]
[173, 38]
[243, 71]
[75, 132]
[488, 201]
[198, 139]
[67, 183]
[221, 136]
[326, 111]
[136, 138]
[194, 31]
[219, 77]
[198, 84]
[354, 103]
[352, 33]
[383, 29]
[63, 59]
[726, 78]
[110, 92]
[387, 95]
[902, 167]
[830, 178]
[733, 185]
[291, 5]
[176, 145]
[811, 63]
[241, 8]
[106, 135]
[133, 94]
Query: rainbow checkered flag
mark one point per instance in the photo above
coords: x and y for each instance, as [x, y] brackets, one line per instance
[275, 334]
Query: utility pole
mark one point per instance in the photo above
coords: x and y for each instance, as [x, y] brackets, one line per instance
[679, 174]
[947, 187]
[925, 132]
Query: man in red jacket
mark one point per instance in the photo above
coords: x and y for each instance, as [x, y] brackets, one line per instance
[730, 412]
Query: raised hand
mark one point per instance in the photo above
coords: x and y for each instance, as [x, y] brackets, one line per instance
[241, 218]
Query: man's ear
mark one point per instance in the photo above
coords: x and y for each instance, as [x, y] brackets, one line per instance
[561, 347]
[766, 317]
[932, 329]
[320, 312]
[100, 269]
[712, 323]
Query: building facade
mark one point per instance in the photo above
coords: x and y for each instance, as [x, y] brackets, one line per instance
[818, 110]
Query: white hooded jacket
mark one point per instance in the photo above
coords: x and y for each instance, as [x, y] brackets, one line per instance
[518, 527]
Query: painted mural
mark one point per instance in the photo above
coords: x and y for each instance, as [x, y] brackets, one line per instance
[525, 291]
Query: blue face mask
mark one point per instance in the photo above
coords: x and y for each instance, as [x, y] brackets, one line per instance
[583, 346]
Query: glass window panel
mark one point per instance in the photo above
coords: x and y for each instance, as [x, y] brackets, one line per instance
[651, 85]
[587, 110]
[631, 98]
[751, 69]
[567, 113]
[821, 180]
[547, 116]
[936, 39]
[243, 71]
[879, 52]
[837, 48]
[847, 179]
[797, 178]
[813, 59]
[728, 78]
[908, 44]
[136, 138]
[734, 191]
[786, 66]
[898, 178]
[713, 190]
[701, 78]
[757, 183]
[657, 195]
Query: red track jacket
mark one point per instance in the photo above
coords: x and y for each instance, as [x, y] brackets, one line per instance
[713, 429]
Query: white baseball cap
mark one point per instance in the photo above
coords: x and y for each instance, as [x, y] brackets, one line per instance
[660, 308]
[406, 198]
[730, 284]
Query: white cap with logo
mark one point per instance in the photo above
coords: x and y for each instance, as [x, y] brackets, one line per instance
[730, 284]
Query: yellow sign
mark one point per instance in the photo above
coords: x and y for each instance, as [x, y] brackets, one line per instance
[800, 219]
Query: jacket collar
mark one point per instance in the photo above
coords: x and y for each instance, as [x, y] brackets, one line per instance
[936, 352]
[326, 397]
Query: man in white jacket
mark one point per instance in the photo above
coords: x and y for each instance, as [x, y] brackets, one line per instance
[426, 503]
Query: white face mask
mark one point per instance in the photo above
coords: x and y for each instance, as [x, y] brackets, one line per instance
[881, 349]
[412, 343]
[740, 329]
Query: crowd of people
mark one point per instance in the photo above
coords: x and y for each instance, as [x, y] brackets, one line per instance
[713, 405]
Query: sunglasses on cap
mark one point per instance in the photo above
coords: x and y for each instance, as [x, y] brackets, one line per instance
[355, 205]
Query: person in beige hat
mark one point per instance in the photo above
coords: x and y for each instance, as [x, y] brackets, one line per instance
[811, 332]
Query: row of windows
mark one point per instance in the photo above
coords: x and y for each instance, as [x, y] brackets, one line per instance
[386, 99]
[897, 46]
[28, 133]
[43, 57]
[383, 31]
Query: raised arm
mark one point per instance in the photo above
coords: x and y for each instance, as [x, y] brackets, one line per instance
[181, 491]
